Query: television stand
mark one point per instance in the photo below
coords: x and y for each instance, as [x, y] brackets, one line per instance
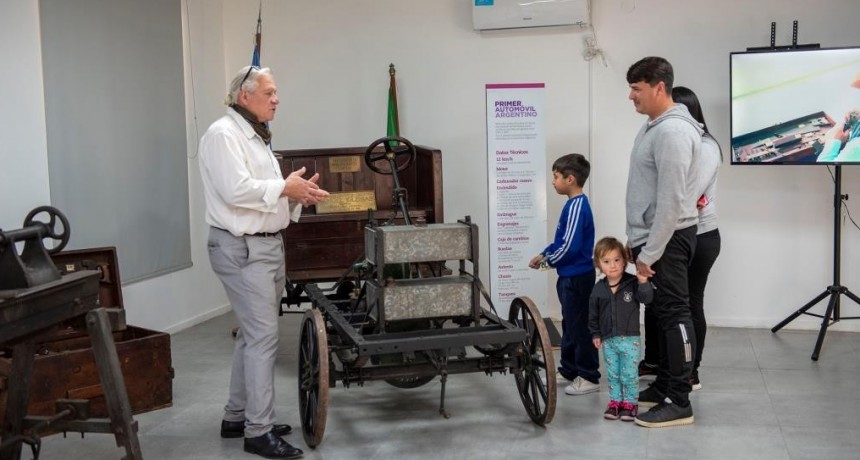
[833, 313]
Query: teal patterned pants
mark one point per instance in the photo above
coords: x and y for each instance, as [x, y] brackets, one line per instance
[622, 368]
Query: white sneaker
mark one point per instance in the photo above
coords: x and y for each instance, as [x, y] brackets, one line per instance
[580, 386]
[559, 379]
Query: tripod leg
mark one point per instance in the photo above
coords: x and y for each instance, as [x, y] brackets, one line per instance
[801, 311]
[824, 323]
[852, 296]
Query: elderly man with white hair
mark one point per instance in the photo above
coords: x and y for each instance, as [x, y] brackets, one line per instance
[248, 203]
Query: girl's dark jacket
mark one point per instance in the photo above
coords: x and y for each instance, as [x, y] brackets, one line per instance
[613, 315]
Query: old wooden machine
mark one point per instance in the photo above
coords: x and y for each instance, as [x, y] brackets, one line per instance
[406, 318]
[34, 298]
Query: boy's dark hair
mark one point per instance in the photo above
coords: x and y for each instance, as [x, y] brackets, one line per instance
[573, 164]
[605, 246]
[652, 70]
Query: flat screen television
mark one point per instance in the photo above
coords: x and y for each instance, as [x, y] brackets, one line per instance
[796, 106]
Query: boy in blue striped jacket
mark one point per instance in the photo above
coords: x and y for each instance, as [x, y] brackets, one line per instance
[570, 254]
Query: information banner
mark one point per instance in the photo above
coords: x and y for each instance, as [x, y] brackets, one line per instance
[516, 164]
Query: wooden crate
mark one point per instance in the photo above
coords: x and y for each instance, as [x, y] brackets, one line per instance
[102, 259]
[65, 366]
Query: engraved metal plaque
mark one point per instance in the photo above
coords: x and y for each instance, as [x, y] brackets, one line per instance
[344, 164]
[348, 202]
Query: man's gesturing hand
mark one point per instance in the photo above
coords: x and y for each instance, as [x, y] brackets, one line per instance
[307, 192]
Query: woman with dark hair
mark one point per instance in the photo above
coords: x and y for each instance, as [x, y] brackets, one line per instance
[707, 233]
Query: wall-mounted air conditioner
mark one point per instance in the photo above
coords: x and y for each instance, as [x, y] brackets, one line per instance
[513, 14]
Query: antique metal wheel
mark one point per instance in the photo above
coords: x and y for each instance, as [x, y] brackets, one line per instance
[538, 364]
[49, 229]
[313, 377]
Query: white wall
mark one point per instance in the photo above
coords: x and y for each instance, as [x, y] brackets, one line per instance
[23, 143]
[184, 298]
[776, 222]
[330, 58]
[168, 303]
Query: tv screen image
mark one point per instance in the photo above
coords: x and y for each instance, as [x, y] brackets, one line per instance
[795, 106]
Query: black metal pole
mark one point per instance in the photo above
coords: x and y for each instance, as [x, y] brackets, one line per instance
[398, 192]
[837, 239]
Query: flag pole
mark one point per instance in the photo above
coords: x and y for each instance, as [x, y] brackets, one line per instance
[258, 37]
[393, 115]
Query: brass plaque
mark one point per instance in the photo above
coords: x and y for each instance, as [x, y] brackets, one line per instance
[348, 202]
[344, 164]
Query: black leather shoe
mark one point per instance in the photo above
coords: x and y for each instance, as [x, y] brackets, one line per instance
[237, 429]
[270, 445]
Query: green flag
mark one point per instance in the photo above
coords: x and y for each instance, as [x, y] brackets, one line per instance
[393, 119]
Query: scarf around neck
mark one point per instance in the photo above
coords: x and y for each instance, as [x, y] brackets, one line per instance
[261, 129]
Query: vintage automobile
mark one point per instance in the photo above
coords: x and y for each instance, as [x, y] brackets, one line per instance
[399, 313]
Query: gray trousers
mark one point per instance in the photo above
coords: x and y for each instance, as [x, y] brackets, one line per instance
[253, 273]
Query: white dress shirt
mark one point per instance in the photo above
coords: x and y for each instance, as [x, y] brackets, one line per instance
[242, 181]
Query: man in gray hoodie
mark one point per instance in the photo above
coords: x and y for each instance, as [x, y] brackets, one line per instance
[661, 231]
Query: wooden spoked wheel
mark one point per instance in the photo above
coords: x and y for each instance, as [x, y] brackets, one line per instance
[538, 364]
[313, 377]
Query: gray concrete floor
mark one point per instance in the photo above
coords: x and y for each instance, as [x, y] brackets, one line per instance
[763, 398]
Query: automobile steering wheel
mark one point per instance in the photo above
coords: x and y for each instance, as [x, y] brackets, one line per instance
[391, 156]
